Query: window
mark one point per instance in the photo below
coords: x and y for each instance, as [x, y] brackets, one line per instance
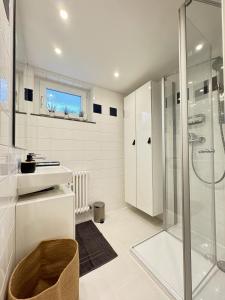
[3, 90]
[63, 102]
[61, 98]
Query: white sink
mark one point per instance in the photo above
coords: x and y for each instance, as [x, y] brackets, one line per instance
[43, 178]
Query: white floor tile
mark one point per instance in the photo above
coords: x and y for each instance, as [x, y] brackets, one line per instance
[123, 278]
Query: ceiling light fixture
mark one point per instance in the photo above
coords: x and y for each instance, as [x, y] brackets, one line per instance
[116, 74]
[199, 47]
[58, 51]
[63, 14]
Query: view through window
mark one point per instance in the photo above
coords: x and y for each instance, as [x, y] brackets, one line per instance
[63, 102]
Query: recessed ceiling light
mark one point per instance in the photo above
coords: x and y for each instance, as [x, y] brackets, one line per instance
[58, 51]
[199, 47]
[63, 14]
[190, 82]
[116, 74]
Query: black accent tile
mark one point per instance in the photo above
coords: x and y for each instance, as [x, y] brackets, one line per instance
[204, 90]
[206, 87]
[178, 97]
[28, 94]
[97, 108]
[113, 111]
[214, 83]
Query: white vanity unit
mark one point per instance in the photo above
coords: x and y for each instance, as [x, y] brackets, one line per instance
[46, 214]
[143, 149]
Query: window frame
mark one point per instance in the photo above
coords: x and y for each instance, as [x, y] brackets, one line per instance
[63, 88]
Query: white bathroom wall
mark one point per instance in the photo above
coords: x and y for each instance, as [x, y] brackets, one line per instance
[95, 147]
[7, 214]
[8, 162]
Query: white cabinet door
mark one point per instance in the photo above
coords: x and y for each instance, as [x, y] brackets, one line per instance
[144, 149]
[43, 217]
[130, 149]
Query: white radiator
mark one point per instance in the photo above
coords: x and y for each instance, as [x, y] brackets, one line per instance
[80, 188]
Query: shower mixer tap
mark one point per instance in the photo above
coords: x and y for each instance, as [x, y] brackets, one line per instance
[194, 138]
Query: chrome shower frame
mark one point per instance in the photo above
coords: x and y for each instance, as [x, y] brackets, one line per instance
[187, 261]
[186, 210]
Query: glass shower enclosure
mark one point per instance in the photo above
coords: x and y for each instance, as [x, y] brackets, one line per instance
[187, 256]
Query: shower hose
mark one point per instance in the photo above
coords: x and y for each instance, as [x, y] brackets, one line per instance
[223, 142]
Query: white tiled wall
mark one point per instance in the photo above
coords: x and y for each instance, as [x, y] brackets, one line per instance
[203, 195]
[97, 148]
[7, 214]
[7, 157]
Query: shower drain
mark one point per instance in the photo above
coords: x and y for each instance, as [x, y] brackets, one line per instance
[221, 265]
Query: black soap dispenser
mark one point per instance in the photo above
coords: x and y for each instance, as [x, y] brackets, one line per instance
[29, 165]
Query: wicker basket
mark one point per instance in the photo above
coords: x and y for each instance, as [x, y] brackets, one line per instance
[50, 272]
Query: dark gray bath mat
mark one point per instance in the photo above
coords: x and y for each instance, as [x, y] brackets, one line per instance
[94, 250]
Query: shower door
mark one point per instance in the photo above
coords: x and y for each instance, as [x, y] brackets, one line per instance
[201, 152]
[183, 257]
[198, 192]
[173, 203]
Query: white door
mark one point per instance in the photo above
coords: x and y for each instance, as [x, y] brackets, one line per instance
[130, 149]
[144, 149]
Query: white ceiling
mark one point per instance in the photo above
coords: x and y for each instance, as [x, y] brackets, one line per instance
[138, 38]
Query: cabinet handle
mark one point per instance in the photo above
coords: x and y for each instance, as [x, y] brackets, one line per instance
[133, 144]
[149, 141]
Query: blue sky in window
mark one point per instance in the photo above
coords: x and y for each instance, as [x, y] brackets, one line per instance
[60, 100]
[3, 90]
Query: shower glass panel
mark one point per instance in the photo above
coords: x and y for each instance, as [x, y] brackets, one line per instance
[162, 254]
[173, 203]
[201, 170]
[193, 141]
[206, 151]
[200, 50]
